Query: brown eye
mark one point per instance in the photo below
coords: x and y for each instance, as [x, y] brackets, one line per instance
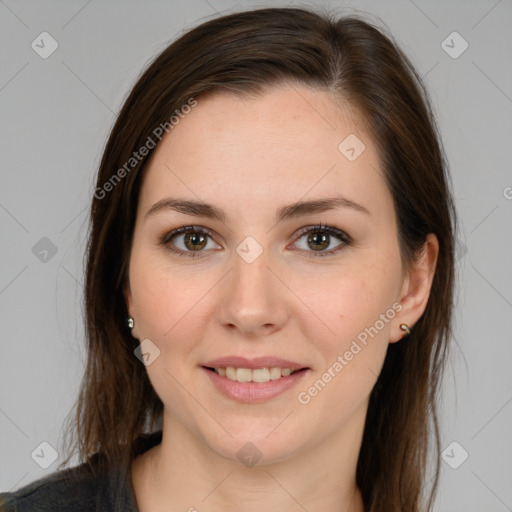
[319, 238]
[194, 241]
[318, 241]
[188, 241]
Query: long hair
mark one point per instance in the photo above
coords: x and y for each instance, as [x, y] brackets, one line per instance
[244, 53]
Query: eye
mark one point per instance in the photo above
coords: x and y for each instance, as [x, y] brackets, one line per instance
[319, 238]
[191, 240]
[187, 241]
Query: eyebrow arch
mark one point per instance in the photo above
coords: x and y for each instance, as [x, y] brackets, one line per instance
[298, 209]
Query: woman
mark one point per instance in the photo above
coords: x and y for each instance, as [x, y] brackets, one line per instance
[269, 280]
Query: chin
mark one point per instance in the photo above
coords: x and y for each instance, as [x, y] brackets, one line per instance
[256, 442]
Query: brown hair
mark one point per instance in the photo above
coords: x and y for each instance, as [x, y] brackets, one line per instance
[244, 53]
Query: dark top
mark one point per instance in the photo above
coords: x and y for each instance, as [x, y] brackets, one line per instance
[78, 489]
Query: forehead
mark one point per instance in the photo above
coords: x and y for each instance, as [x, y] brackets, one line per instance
[282, 117]
[283, 142]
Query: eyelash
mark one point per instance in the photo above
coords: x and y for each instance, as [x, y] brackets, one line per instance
[332, 231]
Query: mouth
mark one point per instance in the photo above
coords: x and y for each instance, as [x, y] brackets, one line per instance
[254, 380]
[260, 375]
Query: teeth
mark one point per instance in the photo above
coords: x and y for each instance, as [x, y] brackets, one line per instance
[257, 375]
[243, 375]
[260, 375]
[275, 373]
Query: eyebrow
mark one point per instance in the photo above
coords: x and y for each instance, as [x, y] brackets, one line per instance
[294, 210]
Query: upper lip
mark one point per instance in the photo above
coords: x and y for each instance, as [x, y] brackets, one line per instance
[257, 362]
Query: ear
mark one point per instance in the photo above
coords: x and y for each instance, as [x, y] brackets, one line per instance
[416, 288]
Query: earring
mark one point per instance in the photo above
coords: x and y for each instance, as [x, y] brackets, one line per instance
[405, 328]
[130, 322]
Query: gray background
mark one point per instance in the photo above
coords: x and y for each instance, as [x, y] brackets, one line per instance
[55, 117]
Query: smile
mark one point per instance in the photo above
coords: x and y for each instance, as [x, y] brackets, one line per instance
[253, 375]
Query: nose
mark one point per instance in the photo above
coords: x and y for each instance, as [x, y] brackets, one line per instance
[254, 300]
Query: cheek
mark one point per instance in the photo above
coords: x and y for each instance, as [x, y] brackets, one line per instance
[357, 308]
[169, 301]
[169, 312]
[351, 299]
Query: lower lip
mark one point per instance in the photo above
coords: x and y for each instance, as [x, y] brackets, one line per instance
[254, 392]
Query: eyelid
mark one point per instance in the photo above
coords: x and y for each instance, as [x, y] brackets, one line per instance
[183, 230]
[346, 240]
[330, 230]
[186, 229]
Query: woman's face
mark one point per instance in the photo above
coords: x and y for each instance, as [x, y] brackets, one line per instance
[262, 283]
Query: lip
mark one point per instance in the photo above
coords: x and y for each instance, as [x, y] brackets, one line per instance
[258, 362]
[254, 392]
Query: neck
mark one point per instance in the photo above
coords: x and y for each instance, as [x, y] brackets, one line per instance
[182, 474]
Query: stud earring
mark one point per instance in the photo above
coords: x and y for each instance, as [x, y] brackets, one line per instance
[130, 322]
[405, 328]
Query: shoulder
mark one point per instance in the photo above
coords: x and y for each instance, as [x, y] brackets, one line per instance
[72, 489]
[84, 488]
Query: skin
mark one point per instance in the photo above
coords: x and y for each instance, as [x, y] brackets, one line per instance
[249, 157]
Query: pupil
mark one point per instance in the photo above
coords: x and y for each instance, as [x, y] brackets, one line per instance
[323, 241]
[196, 240]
